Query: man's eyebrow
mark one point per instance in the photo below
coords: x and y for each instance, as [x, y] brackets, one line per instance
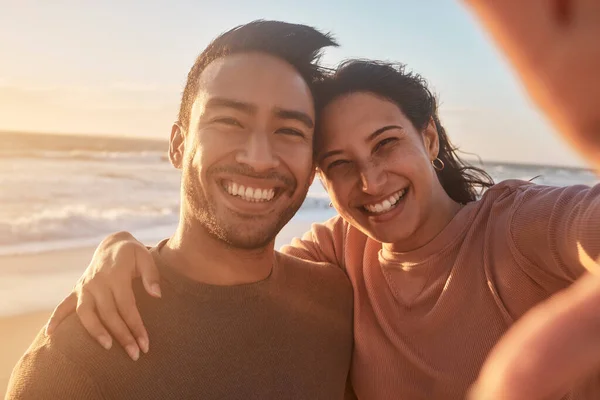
[222, 102]
[300, 116]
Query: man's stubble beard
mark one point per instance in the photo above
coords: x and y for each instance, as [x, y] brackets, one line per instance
[203, 209]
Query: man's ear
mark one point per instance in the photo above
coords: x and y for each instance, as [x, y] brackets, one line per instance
[177, 145]
[321, 178]
[431, 140]
[312, 175]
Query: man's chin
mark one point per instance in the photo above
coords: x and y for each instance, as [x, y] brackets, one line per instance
[254, 242]
[249, 235]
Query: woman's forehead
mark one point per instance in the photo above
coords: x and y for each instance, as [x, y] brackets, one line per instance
[361, 113]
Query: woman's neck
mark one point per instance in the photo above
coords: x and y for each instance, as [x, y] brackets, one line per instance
[439, 216]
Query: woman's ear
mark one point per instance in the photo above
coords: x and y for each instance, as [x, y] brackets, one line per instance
[431, 139]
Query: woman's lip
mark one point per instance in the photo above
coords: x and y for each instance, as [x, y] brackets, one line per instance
[384, 217]
[382, 199]
[379, 218]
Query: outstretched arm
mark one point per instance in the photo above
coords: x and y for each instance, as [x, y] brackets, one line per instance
[553, 46]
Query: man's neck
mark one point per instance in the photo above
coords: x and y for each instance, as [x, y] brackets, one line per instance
[196, 254]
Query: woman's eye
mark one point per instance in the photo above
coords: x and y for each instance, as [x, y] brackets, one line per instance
[337, 163]
[383, 143]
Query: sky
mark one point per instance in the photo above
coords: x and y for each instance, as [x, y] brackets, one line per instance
[117, 67]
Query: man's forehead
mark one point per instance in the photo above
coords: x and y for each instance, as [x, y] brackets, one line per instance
[258, 79]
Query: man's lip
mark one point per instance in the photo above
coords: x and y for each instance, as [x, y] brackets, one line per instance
[257, 183]
[250, 208]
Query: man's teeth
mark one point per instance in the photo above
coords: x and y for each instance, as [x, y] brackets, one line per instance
[248, 193]
[387, 204]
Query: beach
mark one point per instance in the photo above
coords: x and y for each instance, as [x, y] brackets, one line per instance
[17, 333]
[17, 329]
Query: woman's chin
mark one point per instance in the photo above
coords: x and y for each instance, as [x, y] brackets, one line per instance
[387, 236]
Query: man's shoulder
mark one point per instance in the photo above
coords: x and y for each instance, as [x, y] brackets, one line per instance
[49, 370]
[72, 341]
[75, 343]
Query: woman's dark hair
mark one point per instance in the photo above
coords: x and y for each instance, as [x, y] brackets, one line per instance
[462, 182]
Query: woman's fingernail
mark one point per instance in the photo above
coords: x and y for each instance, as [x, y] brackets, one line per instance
[143, 342]
[155, 289]
[133, 351]
[106, 342]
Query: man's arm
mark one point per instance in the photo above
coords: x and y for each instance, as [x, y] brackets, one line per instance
[45, 373]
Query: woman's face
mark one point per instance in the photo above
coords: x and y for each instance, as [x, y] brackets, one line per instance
[377, 167]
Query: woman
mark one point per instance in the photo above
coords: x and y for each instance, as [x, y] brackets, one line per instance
[438, 275]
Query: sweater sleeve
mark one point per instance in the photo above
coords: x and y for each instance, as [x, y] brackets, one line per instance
[558, 228]
[45, 373]
[323, 243]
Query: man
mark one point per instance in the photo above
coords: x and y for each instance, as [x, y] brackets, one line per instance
[237, 319]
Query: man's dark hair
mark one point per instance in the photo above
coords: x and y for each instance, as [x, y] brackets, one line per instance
[409, 91]
[299, 45]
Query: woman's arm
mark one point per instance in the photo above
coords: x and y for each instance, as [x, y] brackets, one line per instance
[552, 228]
[323, 243]
[103, 297]
[554, 48]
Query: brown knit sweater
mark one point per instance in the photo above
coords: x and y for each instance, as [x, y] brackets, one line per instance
[425, 320]
[286, 337]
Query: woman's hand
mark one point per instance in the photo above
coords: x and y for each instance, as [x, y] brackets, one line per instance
[553, 346]
[554, 46]
[103, 297]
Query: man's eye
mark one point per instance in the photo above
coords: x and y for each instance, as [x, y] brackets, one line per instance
[228, 121]
[291, 132]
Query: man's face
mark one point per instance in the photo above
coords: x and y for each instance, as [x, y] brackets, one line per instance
[246, 157]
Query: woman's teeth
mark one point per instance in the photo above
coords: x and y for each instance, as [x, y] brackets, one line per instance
[249, 193]
[387, 204]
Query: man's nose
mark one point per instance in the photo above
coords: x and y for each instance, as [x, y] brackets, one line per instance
[258, 153]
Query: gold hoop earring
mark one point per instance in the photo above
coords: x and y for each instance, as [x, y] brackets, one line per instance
[438, 164]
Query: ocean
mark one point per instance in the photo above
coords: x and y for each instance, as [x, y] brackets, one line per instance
[59, 191]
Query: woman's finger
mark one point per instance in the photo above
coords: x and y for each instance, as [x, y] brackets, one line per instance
[86, 310]
[127, 308]
[112, 320]
[66, 307]
[147, 269]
